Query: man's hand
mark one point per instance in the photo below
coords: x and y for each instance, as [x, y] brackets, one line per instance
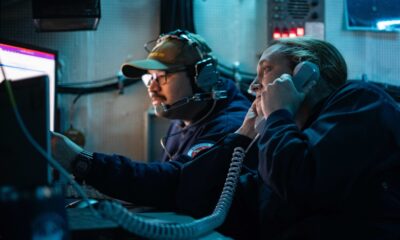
[281, 94]
[64, 150]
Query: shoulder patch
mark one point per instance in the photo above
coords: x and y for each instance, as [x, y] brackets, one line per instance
[195, 149]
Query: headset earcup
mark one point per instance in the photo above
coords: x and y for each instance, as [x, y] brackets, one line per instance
[206, 75]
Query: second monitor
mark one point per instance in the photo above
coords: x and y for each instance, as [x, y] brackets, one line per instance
[21, 164]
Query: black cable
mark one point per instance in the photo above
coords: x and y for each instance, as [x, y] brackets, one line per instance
[89, 82]
[77, 98]
[101, 88]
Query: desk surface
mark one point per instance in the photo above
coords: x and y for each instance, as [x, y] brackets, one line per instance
[84, 225]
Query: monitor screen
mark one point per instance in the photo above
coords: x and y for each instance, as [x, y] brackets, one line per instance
[372, 15]
[20, 61]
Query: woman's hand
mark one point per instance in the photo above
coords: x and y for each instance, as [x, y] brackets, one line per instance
[281, 94]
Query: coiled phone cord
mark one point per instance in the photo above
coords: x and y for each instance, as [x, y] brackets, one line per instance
[156, 230]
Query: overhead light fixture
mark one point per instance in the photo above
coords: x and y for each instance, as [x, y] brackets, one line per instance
[65, 15]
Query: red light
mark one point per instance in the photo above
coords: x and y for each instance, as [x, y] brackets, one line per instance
[292, 33]
[285, 33]
[300, 31]
[276, 34]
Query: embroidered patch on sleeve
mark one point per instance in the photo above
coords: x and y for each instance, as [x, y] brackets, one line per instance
[194, 150]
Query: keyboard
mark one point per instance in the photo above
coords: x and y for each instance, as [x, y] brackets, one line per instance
[90, 191]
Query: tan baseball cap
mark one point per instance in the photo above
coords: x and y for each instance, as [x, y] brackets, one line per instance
[171, 53]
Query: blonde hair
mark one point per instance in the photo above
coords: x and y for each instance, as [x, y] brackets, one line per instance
[330, 61]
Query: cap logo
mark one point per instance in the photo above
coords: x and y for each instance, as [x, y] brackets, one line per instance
[157, 54]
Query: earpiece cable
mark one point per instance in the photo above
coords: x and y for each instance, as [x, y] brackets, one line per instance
[164, 139]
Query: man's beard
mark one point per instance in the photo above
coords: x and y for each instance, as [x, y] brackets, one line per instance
[185, 111]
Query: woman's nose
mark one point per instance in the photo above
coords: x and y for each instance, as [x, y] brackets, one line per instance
[254, 87]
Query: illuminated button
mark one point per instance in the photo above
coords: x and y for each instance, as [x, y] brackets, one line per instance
[300, 31]
[292, 33]
[276, 34]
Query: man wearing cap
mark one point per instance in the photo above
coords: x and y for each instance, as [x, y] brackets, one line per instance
[184, 86]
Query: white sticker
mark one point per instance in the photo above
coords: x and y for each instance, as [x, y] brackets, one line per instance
[315, 29]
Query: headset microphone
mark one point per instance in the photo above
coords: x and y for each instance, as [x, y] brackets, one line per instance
[167, 107]
[198, 97]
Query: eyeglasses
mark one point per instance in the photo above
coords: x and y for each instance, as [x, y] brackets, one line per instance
[161, 79]
[149, 77]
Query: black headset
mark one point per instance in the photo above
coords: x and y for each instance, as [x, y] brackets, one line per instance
[204, 72]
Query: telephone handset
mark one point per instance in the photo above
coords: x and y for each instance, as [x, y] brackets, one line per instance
[304, 73]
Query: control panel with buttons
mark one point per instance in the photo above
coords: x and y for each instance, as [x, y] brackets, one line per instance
[295, 18]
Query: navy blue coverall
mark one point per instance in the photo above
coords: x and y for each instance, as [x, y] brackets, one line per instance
[337, 178]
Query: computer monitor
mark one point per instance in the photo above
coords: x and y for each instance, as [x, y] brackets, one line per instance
[372, 15]
[22, 61]
[21, 164]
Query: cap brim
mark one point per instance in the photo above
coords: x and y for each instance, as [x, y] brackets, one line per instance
[138, 68]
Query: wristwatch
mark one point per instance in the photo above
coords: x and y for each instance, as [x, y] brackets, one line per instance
[82, 163]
